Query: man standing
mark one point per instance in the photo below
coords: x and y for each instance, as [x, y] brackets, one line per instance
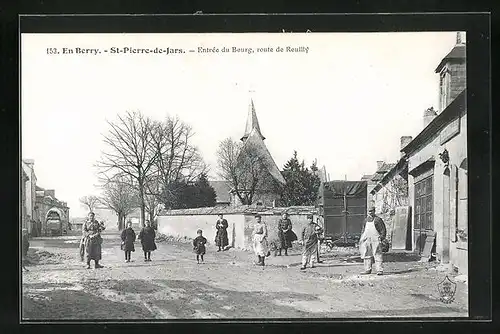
[92, 240]
[310, 241]
[370, 247]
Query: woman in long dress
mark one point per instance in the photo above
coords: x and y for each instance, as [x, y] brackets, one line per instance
[221, 239]
[128, 239]
[260, 244]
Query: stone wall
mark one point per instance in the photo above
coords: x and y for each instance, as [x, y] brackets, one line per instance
[186, 226]
[184, 223]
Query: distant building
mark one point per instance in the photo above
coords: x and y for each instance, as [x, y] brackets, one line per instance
[46, 200]
[377, 199]
[36, 201]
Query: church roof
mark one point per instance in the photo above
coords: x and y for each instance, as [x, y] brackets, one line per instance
[255, 143]
[252, 122]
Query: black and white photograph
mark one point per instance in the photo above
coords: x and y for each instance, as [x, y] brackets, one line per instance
[297, 175]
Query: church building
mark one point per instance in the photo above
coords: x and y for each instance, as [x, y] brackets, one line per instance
[255, 149]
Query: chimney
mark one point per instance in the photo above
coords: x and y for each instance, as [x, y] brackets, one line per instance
[429, 115]
[405, 140]
[461, 37]
[380, 164]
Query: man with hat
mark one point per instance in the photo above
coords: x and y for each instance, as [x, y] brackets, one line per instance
[374, 231]
[310, 241]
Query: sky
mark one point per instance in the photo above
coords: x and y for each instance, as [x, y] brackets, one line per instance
[346, 102]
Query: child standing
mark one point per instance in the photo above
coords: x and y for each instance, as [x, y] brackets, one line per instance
[199, 245]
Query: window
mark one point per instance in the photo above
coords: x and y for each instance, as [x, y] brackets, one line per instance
[424, 204]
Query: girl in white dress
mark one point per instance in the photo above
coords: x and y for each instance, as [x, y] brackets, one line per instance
[260, 244]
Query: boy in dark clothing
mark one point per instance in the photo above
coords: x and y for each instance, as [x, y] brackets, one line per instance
[199, 245]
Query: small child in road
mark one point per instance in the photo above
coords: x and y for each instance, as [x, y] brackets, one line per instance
[199, 245]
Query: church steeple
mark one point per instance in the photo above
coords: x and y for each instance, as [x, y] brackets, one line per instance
[252, 122]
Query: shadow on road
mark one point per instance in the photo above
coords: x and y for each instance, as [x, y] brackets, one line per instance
[188, 299]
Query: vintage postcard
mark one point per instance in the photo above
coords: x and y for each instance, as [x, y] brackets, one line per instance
[244, 176]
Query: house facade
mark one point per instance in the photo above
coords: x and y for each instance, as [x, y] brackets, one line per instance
[437, 168]
[437, 184]
[434, 163]
[28, 193]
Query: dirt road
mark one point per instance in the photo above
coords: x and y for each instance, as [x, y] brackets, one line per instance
[227, 285]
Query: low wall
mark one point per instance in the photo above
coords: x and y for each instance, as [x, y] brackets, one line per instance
[187, 225]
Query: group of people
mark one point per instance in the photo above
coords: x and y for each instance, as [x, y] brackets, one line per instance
[91, 242]
[371, 245]
[147, 237]
[310, 240]
[221, 239]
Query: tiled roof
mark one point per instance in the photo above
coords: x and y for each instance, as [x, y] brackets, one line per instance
[458, 52]
[366, 177]
[385, 167]
[382, 171]
[222, 189]
[255, 143]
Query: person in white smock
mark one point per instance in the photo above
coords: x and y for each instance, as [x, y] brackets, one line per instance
[374, 231]
[260, 244]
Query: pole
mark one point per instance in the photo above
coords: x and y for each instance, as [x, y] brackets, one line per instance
[345, 210]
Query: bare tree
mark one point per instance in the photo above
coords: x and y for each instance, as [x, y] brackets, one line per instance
[395, 193]
[120, 196]
[243, 168]
[130, 152]
[89, 202]
[153, 198]
[177, 158]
